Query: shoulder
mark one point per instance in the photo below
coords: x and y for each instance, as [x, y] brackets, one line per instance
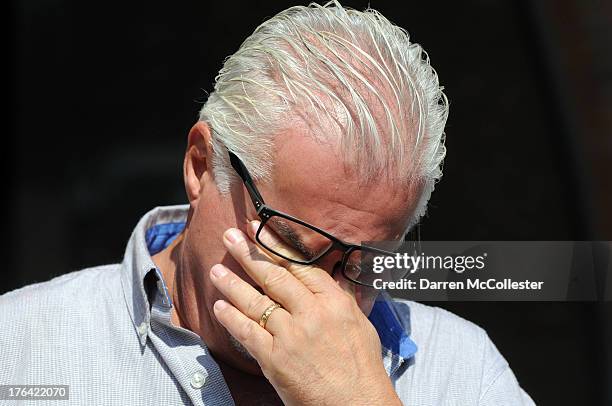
[64, 290]
[51, 330]
[429, 322]
[61, 301]
[458, 354]
[442, 334]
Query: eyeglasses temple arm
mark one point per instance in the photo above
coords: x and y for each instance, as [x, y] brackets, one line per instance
[242, 171]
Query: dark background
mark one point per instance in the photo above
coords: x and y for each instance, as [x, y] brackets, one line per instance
[103, 95]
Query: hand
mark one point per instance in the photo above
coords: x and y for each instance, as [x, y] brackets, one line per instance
[319, 348]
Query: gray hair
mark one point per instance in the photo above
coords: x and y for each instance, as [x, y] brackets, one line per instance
[343, 75]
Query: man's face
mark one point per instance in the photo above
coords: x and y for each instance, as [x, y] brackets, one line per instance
[309, 182]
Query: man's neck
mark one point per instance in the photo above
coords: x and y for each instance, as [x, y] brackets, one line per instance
[168, 263]
[247, 389]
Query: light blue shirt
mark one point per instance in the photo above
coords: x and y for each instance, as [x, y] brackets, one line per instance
[106, 332]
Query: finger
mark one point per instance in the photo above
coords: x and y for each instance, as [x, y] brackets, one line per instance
[315, 278]
[248, 300]
[275, 280]
[255, 339]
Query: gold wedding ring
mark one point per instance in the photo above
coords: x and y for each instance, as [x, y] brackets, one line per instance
[266, 315]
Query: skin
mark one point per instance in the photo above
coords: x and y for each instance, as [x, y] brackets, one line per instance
[320, 349]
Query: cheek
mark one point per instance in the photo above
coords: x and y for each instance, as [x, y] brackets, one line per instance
[204, 236]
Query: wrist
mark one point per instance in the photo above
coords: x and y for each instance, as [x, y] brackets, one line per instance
[379, 390]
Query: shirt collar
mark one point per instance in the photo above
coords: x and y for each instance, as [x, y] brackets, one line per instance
[137, 264]
[392, 322]
[158, 228]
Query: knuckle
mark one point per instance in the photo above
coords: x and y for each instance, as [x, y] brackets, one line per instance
[246, 331]
[295, 346]
[344, 301]
[275, 276]
[250, 251]
[317, 325]
[345, 308]
[304, 297]
[308, 274]
[257, 305]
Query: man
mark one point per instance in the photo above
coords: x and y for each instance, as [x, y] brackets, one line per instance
[325, 129]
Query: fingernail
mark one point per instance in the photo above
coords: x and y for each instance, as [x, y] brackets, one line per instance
[218, 271]
[220, 305]
[234, 235]
[254, 226]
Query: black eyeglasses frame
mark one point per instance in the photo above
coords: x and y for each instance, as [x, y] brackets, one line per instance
[265, 213]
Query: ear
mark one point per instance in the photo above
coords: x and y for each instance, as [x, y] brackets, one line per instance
[198, 160]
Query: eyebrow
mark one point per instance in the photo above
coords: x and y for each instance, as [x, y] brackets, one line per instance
[289, 234]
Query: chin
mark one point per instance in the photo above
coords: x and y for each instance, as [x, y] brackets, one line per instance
[249, 364]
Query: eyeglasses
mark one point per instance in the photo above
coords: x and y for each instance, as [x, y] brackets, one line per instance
[308, 244]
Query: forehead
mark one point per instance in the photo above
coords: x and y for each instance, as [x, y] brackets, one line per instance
[311, 182]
